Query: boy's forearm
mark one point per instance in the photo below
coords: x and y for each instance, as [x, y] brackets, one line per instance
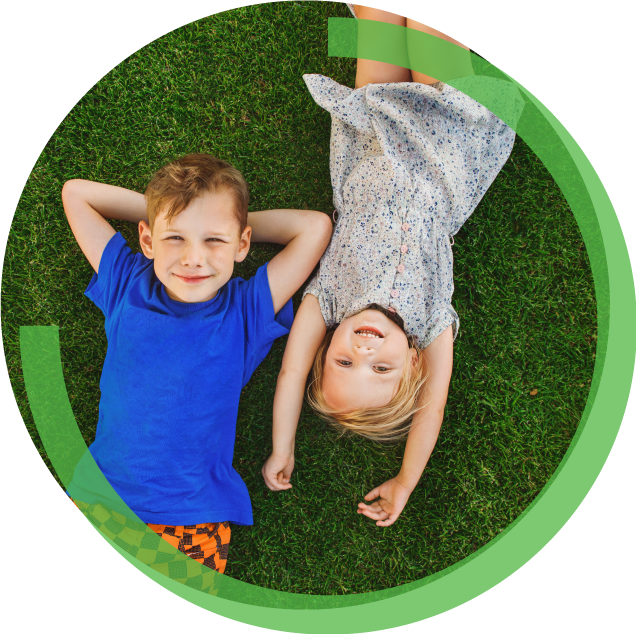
[87, 206]
[281, 226]
[108, 201]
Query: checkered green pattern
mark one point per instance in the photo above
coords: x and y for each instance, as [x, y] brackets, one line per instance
[147, 547]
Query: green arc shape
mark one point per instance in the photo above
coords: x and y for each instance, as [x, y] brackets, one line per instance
[616, 346]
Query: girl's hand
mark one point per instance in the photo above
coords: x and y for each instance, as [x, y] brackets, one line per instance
[277, 472]
[393, 498]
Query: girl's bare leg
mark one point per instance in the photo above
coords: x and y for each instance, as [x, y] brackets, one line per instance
[370, 72]
[418, 26]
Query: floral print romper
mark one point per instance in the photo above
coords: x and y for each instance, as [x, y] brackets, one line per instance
[409, 163]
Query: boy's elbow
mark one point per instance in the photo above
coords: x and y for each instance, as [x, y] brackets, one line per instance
[323, 228]
[71, 189]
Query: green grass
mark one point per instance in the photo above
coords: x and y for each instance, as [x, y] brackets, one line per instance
[231, 85]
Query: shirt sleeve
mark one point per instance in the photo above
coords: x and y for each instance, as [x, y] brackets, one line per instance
[437, 323]
[116, 267]
[262, 325]
[326, 302]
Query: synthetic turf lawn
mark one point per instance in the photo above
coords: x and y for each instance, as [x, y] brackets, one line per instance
[231, 85]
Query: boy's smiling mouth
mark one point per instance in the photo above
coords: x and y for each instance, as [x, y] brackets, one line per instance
[192, 279]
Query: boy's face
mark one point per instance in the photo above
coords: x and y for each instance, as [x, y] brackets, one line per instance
[194, 253]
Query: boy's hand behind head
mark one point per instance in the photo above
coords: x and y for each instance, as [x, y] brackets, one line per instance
[194, 251]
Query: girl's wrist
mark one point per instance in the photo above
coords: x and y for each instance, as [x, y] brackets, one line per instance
[407, 482]
[284, 451]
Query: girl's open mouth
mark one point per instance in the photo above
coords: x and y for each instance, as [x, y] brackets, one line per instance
[368, 331]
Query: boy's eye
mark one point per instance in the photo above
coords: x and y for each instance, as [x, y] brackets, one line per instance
[343, 363]
[180, 238]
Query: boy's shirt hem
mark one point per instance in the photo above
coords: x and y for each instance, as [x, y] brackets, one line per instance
[232, 515]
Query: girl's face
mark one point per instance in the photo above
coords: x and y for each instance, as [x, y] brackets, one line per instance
[365, 361]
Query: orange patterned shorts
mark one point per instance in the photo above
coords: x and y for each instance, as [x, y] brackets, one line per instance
[208, 543]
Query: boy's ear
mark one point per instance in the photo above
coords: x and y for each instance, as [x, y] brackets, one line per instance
[244, 244]
[145, 239]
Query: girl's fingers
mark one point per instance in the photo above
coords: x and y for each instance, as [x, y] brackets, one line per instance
[274, 486]
[282, 483]
[373, 507]
[373, 513]
[375, 516]
[275, 482]
[373, 494]
[381, 505]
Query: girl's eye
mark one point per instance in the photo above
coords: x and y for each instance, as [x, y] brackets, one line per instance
[381, 369]
[344, 364]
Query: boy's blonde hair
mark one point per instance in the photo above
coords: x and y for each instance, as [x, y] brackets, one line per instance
[177, 184]
[390, 422]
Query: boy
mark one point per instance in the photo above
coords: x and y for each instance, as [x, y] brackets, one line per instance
[184, 338]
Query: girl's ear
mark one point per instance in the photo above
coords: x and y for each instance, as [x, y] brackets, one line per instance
[414, 357]
[244, 244]
[145, 240]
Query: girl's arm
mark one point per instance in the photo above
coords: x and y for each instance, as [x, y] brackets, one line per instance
[423, 434]
[305, 337]
[87, 204]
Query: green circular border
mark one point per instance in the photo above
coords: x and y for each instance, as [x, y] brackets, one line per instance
[563, 493]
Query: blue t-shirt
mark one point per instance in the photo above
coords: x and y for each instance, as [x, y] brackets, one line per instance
[170, 389]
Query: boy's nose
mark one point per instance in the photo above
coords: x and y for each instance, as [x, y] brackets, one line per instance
[193, 256]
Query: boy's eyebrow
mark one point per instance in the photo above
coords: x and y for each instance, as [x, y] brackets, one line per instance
[210, 233]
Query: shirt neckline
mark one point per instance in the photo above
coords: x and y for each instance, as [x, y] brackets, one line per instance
[184, 307]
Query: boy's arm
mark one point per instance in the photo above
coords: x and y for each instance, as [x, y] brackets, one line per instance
[305, 337]
[305, 235]
[422, 437]
[87, 204]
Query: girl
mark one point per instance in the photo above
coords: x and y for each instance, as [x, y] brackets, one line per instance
[410, 160]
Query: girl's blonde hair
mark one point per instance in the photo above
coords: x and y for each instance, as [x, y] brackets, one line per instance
[390, 422]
